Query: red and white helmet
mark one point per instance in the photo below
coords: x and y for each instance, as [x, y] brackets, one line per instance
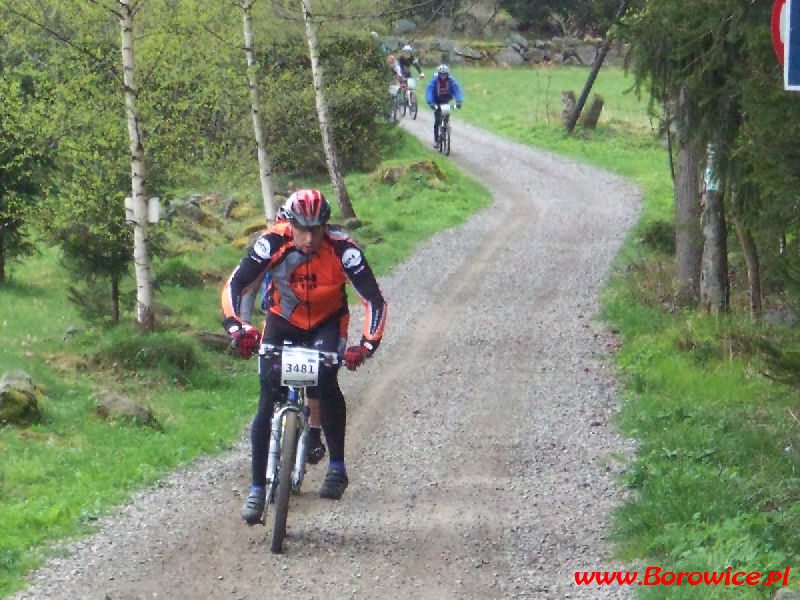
[307, 208]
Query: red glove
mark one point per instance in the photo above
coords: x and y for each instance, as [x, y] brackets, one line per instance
[354, 357]
[245, 339]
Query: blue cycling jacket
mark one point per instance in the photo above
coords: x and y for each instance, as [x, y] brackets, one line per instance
[439, 92]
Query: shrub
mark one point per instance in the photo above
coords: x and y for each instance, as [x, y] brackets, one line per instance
[174, 356]
[174, 271]
[355, 85]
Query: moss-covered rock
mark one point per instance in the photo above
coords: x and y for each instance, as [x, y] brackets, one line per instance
[111, 406]
[19, 399]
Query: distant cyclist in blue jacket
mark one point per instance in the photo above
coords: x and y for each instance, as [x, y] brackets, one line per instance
[441, 89]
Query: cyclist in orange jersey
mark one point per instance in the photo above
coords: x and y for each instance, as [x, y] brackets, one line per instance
[247, 345]
[309, 264]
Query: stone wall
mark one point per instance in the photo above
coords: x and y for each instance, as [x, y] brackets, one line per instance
[516, 50]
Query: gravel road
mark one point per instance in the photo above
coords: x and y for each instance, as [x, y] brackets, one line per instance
[483, 462]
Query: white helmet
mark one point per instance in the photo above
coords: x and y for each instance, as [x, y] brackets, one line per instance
[407, 48]
[284, 210]
[443, 69]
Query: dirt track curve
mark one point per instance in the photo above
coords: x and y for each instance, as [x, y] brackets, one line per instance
[481, 455]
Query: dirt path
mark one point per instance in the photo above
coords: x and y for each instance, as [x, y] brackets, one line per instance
[481, 457]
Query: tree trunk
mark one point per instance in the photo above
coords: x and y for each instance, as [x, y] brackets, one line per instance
[328, 144]
[589, 120]
[714, 286]
[750, 253]
[114, 300]
[264, 163]
[688, 232]
[141, 260]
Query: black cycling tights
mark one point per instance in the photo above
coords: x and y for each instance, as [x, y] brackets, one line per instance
[324, 337]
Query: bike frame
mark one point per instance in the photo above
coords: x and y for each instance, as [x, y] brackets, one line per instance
[444, 128]
[410, 88]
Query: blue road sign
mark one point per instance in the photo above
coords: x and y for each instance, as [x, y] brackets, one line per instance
[791, 47]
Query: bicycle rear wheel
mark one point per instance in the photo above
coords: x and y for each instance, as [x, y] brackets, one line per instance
[288, 450]
[444, 143]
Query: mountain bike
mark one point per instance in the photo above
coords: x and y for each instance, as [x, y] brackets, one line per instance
[411, 97]
[288, 443]
[393, 102]
[402, 99]
[444, 129]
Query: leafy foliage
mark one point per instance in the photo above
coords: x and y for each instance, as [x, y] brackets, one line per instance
[355, 79]
[722, 57]
[561, 17]
[25, 160]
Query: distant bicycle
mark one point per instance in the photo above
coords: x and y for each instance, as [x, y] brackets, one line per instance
[404, 99]
[401, 100]
[394, 102]
[444, 129]
[411, 97]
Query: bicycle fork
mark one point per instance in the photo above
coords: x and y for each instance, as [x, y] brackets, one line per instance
[299, 470]
[273, 458]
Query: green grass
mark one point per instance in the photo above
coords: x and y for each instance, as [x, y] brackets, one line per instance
[397, 217]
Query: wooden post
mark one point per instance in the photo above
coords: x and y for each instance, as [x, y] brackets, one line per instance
[590, 119]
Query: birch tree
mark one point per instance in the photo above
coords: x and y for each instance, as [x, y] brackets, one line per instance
[264, 163]
[141, 261]
[328, 144]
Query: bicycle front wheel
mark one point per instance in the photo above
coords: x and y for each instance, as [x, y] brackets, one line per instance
[445, 141]
[412, 105]
[288, 450]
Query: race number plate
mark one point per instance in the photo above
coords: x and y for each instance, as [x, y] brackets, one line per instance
[299, 367]
[445, 109]
[412, 83]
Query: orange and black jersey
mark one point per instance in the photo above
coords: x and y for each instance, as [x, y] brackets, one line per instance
[305, 290]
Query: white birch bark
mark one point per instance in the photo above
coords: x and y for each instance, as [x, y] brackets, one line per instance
[328, 145]
[145, 316]
[264, 163]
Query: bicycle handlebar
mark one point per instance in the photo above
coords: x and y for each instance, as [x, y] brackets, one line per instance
[327, 358]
